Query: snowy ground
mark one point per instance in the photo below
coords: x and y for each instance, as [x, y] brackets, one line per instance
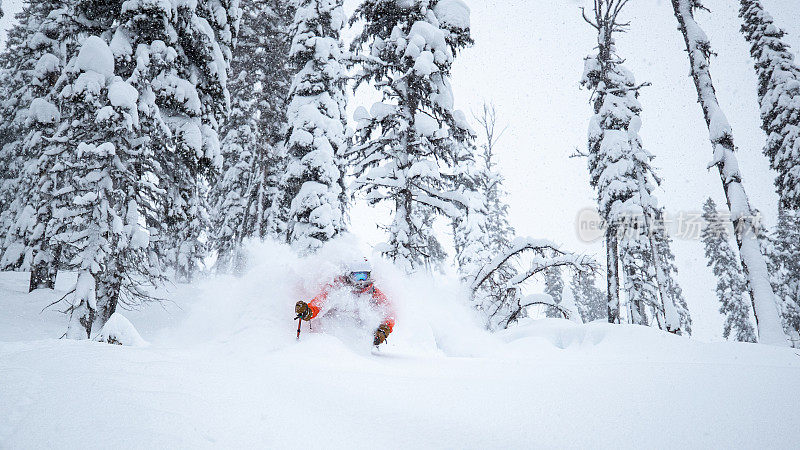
[223, 370]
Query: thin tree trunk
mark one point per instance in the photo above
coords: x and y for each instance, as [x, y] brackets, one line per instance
[612, 275]
[109, 286]
[770, 330]
[671, 316]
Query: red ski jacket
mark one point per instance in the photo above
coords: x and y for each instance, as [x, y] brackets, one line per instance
[378, 298]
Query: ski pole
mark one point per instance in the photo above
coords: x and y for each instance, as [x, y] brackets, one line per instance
[299, 322]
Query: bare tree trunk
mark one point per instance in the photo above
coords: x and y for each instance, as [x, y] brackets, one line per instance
[612, 261]
[770, 330]
[108, 292]
[43, 275]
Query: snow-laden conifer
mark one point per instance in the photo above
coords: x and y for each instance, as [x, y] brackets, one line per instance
[483, 231]
[407, 143]
[589, 299]
[779, 97]
[784, 264]
[316, 143]
[470, 232]
[671, 290]
[731, 285]
[177, 55]
[621, 173]
[244, 195]
[554, 285]
[100, 192]
[490, 181]
[38, 48]
[753, 262]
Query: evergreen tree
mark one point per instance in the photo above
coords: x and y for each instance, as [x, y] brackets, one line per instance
[753, 262]
[244, 197]
[26, 73]
[278, 215]
[621, 173]
[316, 141]
[483, 231]
[671, 289]
[178, 58]
[19, 87]
[590, 301]
[779, 97]
[554, 287]
[101, 192]
[784, 268]
[38, 48]
[731, 284]
[407, 142]
[600, 69]
[470, 232]
[490, 183]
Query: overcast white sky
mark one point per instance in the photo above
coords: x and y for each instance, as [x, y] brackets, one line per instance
[528, 59]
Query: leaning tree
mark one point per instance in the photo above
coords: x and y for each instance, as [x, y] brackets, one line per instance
[754, 265]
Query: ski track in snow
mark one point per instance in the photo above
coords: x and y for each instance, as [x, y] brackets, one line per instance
[223, 369]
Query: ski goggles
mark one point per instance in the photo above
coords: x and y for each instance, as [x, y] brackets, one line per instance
[359, 276]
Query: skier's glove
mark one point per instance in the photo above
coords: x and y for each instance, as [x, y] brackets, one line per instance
[303, 311]
[381, 334]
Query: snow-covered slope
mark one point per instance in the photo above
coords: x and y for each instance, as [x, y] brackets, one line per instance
[223, 369]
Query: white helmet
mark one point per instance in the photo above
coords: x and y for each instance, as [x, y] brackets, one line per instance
[359, 273]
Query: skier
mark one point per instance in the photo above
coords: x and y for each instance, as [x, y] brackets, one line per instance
[358, 280]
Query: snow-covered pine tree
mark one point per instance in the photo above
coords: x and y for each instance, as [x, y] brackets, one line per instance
[554, 287]
[784, 244]
[278, 215]
[20, 85]
[407, 143]
[316, 139]
[12, 80]
[252, 135]
[490, 181]
[483, 231]
[598, 69]
[101, 193]
[753, 263]
[234, 195]
[39, 46]
[589, 299]
[472, 237]
[18, 61]
[779, 97]
[671, 290]
[177, 57]
[621, 173]
[470, 232]
[731, 285]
